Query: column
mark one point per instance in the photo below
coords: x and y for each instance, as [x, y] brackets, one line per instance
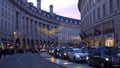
[102, 35]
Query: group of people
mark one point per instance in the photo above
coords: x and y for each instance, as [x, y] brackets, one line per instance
[4, 52]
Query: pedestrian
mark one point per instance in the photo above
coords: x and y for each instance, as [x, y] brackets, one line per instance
[5, 52]
[0, 53]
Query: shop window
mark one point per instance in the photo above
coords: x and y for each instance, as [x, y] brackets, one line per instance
[97, 43]
[109, 42]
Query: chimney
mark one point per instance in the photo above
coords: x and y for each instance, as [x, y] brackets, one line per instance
[51, 9]
[39, 5]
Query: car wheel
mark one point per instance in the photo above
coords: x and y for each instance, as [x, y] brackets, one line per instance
[74, 59]
[102, 65]
[89, 63]
[69, 59]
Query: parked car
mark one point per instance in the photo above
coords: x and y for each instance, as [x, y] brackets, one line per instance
[104, 57]
[64, 53]
[77, 54]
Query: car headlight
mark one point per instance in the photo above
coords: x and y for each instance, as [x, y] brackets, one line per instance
[87, 58]
[106, 59]
[52, 51]
[65, 54]
[77, 56]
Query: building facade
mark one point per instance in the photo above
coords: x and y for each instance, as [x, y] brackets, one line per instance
[100, 22]
[24, 25]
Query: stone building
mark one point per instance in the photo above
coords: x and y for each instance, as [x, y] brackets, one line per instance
[24, 25]
[100, 22]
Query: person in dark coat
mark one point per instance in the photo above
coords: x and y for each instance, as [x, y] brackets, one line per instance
[5, 52]
[0, 53]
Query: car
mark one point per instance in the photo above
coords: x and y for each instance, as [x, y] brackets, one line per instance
[63, 52]
[51, 50]
[56, 52]
[77, 54]
[102, 56]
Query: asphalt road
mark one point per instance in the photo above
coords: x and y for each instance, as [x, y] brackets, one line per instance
[38, 60]
[27, 60]
[65, 63]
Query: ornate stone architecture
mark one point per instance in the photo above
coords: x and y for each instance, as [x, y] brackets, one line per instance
[24, 25]
[100, 22]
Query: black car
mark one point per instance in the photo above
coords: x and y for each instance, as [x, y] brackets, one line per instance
[56, 52]
[103, 57]
[63, 53]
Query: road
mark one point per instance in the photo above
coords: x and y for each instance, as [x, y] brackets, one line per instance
[27, 60]
[38, 60]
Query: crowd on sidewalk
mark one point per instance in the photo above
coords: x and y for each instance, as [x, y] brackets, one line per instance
[4, 52]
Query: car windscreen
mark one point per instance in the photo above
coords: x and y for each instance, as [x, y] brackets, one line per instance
[79, 51]
[66, 50]
[107, 51]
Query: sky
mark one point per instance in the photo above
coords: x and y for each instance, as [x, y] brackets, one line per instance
[67, 8]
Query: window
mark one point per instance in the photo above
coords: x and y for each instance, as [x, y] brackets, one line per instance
[98, 11]
[57, 18]
[70, 22]
[75, 22]
[61, 19]
[111, 6]
[2, 14]
[66, 21]
[98, 0]
[94, 1]
[93, 15]
[90, 3]
[104, 10]
[90, 17]
[118, 4]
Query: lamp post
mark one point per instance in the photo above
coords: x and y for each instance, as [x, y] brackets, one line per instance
[15, 37]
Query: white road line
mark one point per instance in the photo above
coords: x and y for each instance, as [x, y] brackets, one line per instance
[20, 58]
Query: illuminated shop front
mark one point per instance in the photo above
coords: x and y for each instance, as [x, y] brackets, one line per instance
[109, 42]
[97, 43]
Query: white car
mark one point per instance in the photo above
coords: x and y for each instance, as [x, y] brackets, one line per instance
[77, 54]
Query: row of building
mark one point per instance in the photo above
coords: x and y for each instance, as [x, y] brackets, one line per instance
[100, 22]
[23, 25]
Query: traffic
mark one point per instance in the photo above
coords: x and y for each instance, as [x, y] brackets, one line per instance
[102, 56]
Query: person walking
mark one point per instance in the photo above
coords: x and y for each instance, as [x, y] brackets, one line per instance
[0, 53]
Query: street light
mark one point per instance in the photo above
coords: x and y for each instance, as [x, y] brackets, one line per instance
[14, 37]
[14, 33]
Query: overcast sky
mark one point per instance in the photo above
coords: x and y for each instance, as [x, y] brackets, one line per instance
[67, 8]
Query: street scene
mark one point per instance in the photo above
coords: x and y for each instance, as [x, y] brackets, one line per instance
[38, 60]
[59, 33]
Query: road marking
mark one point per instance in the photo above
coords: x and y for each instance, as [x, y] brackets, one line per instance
[20, 58]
